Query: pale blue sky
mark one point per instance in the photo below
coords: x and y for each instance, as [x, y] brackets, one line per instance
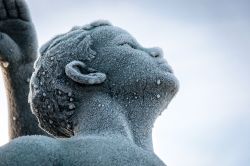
[208, 44]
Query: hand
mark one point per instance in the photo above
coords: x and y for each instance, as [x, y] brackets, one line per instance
[18, 42]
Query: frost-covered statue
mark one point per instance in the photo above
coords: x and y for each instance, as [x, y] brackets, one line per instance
[94, 88]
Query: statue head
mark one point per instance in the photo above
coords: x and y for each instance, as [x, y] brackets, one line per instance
[98, 58]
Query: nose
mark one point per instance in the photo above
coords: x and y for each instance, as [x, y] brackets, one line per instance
[155, 52]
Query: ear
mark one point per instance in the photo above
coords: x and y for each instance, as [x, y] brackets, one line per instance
[80, 73]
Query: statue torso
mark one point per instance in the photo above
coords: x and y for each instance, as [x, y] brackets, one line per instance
[105, 151]
[76, 151]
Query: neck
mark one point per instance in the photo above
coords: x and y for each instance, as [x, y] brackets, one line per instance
[99, 114]
[142, 121]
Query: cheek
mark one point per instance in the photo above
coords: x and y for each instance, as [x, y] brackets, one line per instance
[137, 76]
[151, 85]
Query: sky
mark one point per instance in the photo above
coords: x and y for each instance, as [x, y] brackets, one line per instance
[207, 42]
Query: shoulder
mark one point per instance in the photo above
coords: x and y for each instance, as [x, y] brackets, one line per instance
[30, 150]
[101, 151]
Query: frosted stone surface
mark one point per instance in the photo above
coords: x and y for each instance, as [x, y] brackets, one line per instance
[98, 92]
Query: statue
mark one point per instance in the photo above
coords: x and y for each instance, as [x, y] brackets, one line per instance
[94, 88]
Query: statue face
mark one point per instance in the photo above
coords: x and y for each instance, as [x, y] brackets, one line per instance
[138, 77]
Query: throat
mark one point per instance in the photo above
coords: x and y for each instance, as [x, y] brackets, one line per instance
[100, 115]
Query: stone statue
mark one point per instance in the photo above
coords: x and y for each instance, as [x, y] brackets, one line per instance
[94, 88]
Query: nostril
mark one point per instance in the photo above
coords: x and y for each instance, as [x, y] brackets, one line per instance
[156, 52]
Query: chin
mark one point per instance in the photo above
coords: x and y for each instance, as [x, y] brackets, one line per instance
[172, 82]
[167, 75]
[166, 88]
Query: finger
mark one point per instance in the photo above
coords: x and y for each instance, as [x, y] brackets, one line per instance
[10, 8]
[23, 10]
[3, 13]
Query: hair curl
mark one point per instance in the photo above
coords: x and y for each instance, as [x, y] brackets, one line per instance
[52, 94]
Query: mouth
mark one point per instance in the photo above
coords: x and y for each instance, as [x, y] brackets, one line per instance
[165, 66]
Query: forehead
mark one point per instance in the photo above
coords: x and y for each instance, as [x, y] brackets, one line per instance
[108, 33]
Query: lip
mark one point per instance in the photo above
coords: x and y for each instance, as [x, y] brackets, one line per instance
[165, 66]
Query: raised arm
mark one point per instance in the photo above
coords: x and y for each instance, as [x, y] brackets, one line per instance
[18, 51]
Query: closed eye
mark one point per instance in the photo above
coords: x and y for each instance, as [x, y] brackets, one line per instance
[128, 44]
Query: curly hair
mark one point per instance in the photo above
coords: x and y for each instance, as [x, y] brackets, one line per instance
[52, 95]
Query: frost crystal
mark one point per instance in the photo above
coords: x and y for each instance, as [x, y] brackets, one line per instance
[158, 82]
